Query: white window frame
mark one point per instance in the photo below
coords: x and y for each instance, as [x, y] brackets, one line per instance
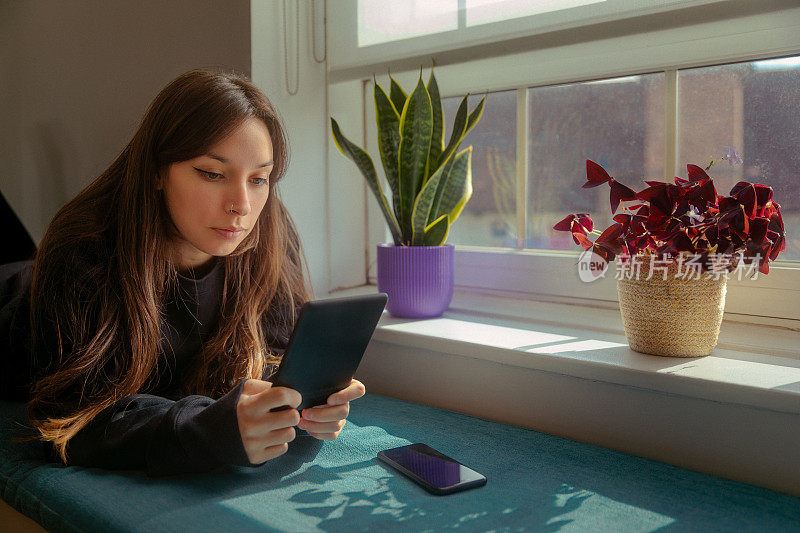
[347, 55]
[552, 275]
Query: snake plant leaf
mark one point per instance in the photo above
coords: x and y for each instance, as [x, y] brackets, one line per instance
[437, 138]
[446, 159]
[457, 186]
[436, 232]
[388, 121]
[465, 123]
[397, 94]
[457, 134]
[416, 127]
[435, 212]
[474, 116]
[422, 207]
[364, 163]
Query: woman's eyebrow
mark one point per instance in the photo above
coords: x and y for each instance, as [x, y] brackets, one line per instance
[223, 160]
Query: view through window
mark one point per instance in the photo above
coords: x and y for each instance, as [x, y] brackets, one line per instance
[752, 107]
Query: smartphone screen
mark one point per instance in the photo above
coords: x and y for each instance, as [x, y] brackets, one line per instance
[432, 469]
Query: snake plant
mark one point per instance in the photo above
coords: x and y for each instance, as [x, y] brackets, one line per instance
[430, 183]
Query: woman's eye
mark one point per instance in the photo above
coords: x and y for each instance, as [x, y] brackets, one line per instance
[261, 181]
[210, 175]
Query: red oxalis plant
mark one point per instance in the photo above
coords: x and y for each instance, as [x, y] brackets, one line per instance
[689, 216]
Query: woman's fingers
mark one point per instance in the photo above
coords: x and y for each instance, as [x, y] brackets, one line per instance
[327, 413]
[261, 444]
[352, 392]
[265, 454]
[265, 434]
[255, 386]
[320, 434]
[275, 437]
[321, 427]
[262, 427]
[326, 422]
[274, 397]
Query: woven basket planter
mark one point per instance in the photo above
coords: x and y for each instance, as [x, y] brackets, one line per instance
[673, 316]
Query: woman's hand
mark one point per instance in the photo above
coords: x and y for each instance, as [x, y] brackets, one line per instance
[325, 422]
[266, 435]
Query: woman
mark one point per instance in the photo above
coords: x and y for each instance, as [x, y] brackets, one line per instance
[162, 296]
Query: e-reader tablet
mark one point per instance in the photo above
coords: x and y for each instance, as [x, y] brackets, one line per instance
[326, 346]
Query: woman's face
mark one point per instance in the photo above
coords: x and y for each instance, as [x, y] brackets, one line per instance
[201, 192]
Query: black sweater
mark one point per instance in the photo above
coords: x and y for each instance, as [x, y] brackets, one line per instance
[157, 430]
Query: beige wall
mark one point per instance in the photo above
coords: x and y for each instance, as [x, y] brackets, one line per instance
[304, 188]
[76, 78]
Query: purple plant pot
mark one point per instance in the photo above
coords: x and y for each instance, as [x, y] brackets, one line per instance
[418, 279]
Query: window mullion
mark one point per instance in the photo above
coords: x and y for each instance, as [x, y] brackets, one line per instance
[670, 123]
[522, 166]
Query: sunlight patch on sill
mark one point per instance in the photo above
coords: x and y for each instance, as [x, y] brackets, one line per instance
[747, 373]
[476, 333]
[576, 346]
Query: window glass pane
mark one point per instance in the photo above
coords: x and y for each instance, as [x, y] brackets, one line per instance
[755, 108]
[380, 21]
[489, 218]
[485, 11]
[618, 123]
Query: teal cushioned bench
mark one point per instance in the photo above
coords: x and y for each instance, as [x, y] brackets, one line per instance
[536, 482]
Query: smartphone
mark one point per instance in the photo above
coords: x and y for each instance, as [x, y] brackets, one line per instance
[326, 346]
[432, 469]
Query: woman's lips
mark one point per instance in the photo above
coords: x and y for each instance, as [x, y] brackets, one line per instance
[228, 234]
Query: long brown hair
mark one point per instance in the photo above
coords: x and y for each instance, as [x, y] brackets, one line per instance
[102, 270]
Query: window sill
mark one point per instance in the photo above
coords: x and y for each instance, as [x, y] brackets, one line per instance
[567, 370]
[589, 343]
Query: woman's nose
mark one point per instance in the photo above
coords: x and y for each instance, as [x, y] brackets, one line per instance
[239, 204]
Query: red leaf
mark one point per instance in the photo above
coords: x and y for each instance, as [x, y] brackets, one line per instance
[611, 234]
[737, 221]
[774, 214]
[585, 221]
[658, 196]
[758, 230]
[656, 219]
[727, 205]
[763, 192]
[683, 243]
[777, 247]
[705, 192]
[581, 239]
[581, 219]
[595, 174]
[746, 194]
[696, 173]
[606, 254]
[610, 240]
[763, 195]
[625, 220]
[620, 192]
[566, 224]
